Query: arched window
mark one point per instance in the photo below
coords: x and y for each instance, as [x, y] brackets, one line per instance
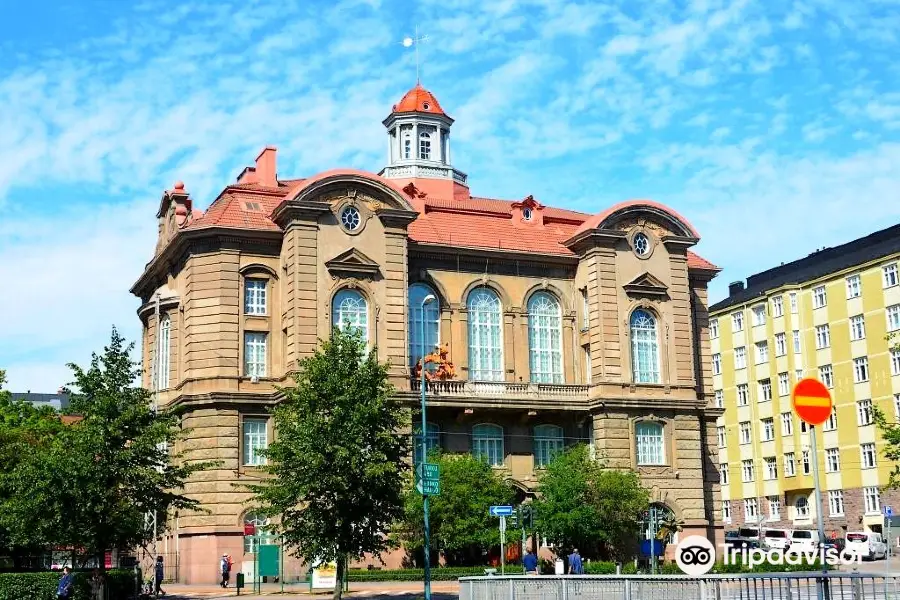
[487, 444]
[548, 441]
[349, 310]
[425, 145]
[261, 523]
[644, 347]
[545, 338]
[407, 144]
[162, 353]
[424, 336]
[658, 513]
[801, 506]
[650, 443]
[432, 441]
[485, 336]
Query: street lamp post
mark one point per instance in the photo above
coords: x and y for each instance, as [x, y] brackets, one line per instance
[426, 300]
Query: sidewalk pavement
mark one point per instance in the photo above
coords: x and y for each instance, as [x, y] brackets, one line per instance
[442, 590]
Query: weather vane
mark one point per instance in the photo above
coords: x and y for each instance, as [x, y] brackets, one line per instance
[415, 41]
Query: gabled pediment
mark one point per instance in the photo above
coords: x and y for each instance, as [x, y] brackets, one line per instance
[646, 285]
[352, 262]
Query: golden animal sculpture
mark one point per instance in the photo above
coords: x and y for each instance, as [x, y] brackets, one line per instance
[444, 369]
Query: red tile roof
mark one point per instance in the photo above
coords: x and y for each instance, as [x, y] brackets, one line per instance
[419, 99]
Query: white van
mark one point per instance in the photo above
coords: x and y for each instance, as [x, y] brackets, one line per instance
[866, 544]
[804, 539]
[779, 539]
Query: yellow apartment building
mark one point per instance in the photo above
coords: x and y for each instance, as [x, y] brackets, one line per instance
[826, 316]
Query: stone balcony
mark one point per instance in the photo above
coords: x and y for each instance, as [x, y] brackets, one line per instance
[499, 394]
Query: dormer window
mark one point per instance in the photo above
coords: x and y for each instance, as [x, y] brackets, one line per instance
[426, 106]
[425, 145]
[526, 214]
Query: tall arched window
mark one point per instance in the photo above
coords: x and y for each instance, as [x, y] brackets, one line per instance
[407, 144]
[349, 310]
[432, 441]
[424, 336]
[650, 443]
[485, 336]
[548, 441]
[545, 338]
[261, 523]
[162, 353]
[661, 513]
[644, 347]
[425, 145]
[487, 444]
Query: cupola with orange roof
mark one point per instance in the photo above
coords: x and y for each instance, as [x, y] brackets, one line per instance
[419, 147]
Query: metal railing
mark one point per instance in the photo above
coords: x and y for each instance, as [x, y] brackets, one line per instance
[500, 388]
[767, 586]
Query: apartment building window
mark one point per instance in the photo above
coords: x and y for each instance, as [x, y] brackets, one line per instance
[726, 511]
[720, 434]
[790, 465]
[831, 423]
[864, 412]
[255, 296]
[897, 407]
[740, 357]
[892, 316]
[853, 287]
[895, 361]
[771, 468]
[350, 312]
[872, 500]
[780, 344]
[836, 503]
[255, 438]
[774, 507]
[719, 398]
[737, 321]
[787, 424]
[823, 336]
[254, 354]
[832, 460]
[867, 451]
[890, 275]
[588, 374]
[801, 508]
[784, 384]
[820, 299]
[717, 363]
[759, 314]
[650, 444]
[796, 334]
[723, 473]
[777, 306]
[746, 471]
[751, 509]
[545, 338]
[585, 310]
[857, 328]
[548, 442]
[713, 329]
[746, 434]
[798, 374]
[860, 369]
[768, 430]
[432, 441]
[805, 456]
[162, 353]
[826, 376]
[743, 394]
[762, 352]
[644, 347]
[765, 390]
[485, 335]
[423, 341]
[793, 300]
[487, 443]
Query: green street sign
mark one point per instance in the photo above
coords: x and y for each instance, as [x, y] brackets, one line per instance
[429, 487]
[428, 471]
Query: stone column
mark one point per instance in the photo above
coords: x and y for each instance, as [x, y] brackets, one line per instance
[390, 147]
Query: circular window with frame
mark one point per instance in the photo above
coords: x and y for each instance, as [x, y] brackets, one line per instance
[526, 214]
[642, 244]
[350, 218]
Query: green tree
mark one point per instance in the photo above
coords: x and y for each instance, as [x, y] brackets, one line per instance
[461, 528]
[584, 505]
[101, 477]
[890, 430]
[337, 459]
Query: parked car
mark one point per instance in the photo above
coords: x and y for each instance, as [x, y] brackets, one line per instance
[866, 544]
[804, 540]
[777, 539]
[748, 537]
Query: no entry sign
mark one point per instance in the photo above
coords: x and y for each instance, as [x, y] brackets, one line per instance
[812, 401]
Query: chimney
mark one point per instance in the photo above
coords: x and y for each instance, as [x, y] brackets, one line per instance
[735, 287]
[265, 167]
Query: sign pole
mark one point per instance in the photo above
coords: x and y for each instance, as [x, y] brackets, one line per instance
[502, 545]
[427, 550]
[814, 451]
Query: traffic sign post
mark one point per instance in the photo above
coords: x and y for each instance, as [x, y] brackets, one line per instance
[428, 479]
[502, 511]
[812, 403]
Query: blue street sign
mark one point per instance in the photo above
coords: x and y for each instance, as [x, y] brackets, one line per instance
[888, 511]
[501, 511]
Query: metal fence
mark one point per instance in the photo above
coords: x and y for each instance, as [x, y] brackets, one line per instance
[794, 586]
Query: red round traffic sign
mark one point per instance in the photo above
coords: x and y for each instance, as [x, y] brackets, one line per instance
[812, 401]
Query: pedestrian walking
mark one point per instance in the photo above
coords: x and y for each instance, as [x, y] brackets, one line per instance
[158, 576]
[225, 568]
[66, 584]
[97, 591]
[530, 562]
[575, 565]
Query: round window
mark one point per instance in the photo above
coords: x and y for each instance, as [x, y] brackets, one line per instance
[426, 106]
[526, 214]
[350, 218]
[641, 244]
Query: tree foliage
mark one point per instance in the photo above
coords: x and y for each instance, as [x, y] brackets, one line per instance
[584, 505]
[461, 528]
[890, 430]
[337, 461]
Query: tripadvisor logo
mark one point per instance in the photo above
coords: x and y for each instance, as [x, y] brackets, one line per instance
[695, 555]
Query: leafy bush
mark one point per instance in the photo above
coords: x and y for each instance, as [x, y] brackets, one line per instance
[42, 586]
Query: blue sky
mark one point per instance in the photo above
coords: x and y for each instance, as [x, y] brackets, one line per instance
[773, 126]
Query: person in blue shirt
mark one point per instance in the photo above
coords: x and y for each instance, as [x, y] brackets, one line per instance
[530, 562]
[159, 576]
[575, 566]
[66, 582]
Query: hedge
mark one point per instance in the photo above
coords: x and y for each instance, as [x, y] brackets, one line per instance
[42, 586]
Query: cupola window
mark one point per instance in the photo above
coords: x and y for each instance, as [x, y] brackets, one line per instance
[425, 145]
